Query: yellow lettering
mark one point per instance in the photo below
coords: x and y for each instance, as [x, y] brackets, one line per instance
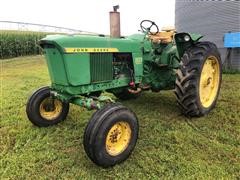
[90, 50]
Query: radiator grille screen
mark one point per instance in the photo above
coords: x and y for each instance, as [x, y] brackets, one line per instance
[101, 67]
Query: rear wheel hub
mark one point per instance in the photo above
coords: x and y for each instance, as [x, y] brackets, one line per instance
[209, 81]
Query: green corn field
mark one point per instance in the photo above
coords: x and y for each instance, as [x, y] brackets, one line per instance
[19, 43]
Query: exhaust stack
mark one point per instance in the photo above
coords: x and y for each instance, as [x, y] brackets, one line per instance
[115, 22]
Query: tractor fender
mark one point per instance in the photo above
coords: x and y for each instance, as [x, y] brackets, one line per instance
[184, 41]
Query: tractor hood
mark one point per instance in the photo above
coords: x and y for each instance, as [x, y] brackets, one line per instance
[88, 43]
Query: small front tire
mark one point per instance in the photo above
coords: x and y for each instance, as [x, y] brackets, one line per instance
[43, 110]
[111, 135]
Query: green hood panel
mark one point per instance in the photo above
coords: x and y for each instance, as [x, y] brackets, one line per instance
[79, 42]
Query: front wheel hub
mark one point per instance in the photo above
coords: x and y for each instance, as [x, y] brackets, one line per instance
[50, 108]
[118, 138]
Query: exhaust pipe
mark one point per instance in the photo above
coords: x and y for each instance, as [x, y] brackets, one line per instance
[115, 22]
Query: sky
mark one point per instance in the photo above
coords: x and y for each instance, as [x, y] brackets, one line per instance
[89, 15]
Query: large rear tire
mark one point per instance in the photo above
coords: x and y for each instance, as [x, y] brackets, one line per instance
[111, 135]
[199, 79]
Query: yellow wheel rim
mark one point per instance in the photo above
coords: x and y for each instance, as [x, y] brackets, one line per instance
[50, 109]
[118, 138]
[209, 81]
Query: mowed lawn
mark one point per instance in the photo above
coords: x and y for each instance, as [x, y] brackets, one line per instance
[169, 145]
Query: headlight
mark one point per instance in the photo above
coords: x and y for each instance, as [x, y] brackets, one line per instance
[186, 38]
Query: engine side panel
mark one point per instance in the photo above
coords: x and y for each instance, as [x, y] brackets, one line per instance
[77, 67]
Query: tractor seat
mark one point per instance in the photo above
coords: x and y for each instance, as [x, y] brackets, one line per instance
[165, 36]
[168, 28]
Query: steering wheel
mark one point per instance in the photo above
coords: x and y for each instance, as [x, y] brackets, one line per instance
[148, 26]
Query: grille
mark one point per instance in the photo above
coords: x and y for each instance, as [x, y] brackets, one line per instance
[101, 67]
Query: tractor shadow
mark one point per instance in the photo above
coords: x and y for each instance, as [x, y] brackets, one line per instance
[161, 106]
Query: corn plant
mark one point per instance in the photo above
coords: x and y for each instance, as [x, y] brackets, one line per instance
[19, 43]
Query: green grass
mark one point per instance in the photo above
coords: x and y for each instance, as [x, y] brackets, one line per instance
[169, 145]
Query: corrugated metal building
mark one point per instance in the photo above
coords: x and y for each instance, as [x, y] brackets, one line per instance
[211, 18]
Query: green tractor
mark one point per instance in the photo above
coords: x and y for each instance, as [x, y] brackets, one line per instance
[81, 67]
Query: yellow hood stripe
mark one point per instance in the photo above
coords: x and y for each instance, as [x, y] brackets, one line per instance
[89, 50]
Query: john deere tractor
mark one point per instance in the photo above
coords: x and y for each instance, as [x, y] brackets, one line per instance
[81, 67]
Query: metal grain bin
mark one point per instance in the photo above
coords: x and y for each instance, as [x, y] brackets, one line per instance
[211, 18]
